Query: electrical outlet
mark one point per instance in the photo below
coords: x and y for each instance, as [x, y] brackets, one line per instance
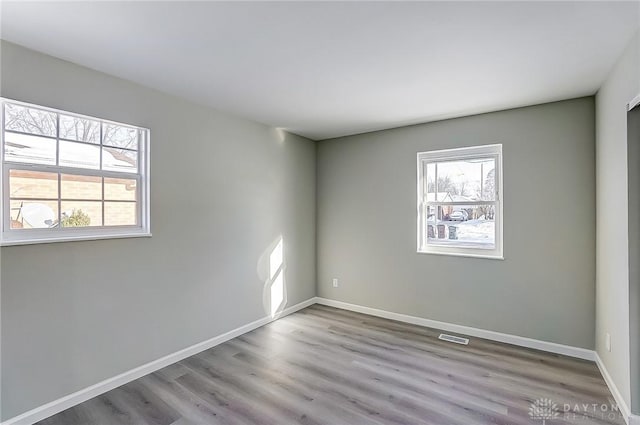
[607, 339]
[335, 282]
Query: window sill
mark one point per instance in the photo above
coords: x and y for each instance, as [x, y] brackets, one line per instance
[462, 254]
[73, 238]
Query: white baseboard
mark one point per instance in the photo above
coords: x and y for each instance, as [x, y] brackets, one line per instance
[552, 347]
[57, 406]
[581, 353]
[617, 396]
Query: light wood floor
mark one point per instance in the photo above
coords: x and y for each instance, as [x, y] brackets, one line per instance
[328, 366]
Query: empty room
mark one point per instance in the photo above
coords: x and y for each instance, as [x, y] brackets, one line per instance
[320, 213]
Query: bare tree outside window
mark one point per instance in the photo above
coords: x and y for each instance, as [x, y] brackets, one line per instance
[66, 171]
[458, 200]
[29, 120]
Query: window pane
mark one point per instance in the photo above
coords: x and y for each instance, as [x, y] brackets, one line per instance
[430, 173]
[466, 180]
[489, 180]
[462, 225]
[29, 120]
[33, 184]
[29, 214]
[80, 129]
[119, 160]
[120, 214]
[29, 149]
[120, 137]
[120, 189]
[81, 187]
[79, 155]
[81, 214]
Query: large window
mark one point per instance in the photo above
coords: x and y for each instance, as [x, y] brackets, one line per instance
[68, 177]
[460, 201]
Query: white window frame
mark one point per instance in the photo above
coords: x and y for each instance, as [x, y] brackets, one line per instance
[457, 154]
[10, 236]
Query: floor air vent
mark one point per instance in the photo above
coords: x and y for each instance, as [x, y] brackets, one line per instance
[454, 339]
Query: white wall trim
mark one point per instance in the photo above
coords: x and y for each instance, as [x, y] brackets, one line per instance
[624, 408]
[552, 347]
[56, 406]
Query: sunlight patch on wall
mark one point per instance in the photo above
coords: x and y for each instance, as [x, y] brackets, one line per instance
[271, 269]
[276, 272]
[276, 259]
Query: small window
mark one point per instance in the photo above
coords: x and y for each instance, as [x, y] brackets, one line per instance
[460, 202]
[70, 177]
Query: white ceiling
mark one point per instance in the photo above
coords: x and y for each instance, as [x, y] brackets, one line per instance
[328, 69]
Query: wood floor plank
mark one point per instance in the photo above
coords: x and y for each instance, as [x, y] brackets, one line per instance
[325, 366]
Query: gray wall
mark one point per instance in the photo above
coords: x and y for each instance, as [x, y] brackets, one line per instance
[612, 251]
[633, 164]
[222, 190]
[544, 288]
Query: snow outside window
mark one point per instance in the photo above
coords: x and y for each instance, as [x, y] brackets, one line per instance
[70, 177]
[460, 202]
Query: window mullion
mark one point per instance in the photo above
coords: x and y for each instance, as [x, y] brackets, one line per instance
[103, 197]
[435, 190]
[101, 166]
[139, 205]
[482, 179]
[57, 139]
[461, 203]
[70, 170]
[101, 143]
[59, 226]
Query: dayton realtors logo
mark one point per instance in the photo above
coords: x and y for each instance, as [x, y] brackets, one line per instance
[544, 409]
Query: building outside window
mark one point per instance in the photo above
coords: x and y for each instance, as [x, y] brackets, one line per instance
[70, 177]
[460, 201]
